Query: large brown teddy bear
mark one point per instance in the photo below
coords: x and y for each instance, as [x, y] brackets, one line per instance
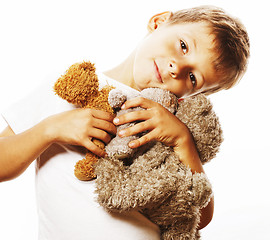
[157, 184]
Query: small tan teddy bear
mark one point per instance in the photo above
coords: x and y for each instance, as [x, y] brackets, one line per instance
[80, 86]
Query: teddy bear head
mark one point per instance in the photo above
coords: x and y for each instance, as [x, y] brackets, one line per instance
[79, 84]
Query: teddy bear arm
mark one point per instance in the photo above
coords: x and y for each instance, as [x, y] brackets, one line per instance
[176, 232]
[179, 217]
[182, 219]
[202, 190]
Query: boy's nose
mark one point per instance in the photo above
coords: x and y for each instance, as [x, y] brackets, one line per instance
[177, 70]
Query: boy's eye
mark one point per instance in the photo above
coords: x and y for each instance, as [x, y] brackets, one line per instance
[192, 79]
[183, 46]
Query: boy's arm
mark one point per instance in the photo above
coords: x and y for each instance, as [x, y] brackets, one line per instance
[186, 150]
[75, 127]
[17, 152]
[206, 214]
[162, 126]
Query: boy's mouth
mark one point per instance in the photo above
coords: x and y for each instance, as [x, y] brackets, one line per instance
[157, 73]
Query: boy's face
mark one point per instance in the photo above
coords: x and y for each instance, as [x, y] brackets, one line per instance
[176, 57]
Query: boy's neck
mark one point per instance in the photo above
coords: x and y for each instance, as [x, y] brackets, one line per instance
[123, 72]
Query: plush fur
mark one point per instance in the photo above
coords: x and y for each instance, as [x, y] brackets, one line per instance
[157, 184]
[150, 179]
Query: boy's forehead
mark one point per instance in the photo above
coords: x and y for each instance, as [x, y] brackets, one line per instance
[203, 26]
[199, 32]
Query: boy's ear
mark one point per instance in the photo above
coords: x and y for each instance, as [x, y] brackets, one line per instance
[158, 20]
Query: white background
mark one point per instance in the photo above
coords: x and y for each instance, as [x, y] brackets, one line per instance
[40, 37]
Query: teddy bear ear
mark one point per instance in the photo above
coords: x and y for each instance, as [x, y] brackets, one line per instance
[164, 97]
[78, 84]
[116, 98]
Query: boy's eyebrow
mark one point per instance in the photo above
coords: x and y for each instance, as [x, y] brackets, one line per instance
[192, 39]
[194, 43]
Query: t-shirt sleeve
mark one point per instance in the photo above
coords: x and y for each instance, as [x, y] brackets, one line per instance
[35, 107]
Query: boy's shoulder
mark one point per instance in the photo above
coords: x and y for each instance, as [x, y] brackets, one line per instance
[105, 80]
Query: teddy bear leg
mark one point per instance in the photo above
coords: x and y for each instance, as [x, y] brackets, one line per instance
[85, 168]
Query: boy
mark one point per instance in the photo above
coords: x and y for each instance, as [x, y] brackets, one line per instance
[187, 52]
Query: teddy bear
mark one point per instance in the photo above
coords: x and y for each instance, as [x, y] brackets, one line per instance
[157, 184]
[79, 86]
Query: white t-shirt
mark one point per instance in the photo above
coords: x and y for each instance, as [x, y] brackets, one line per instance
[67, 209]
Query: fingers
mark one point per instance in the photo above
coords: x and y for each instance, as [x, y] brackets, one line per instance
[100, 124]
[137, 128]
[156, 120]
[152, 135]
[139, 102]
[95, 124]
[147, 104]
[101, 115]
[100, 134]
[104, 125]
[142, 140]
[93, 148]
[146, 116]
[132, 116]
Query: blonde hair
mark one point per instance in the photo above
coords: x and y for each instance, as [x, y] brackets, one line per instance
[231, 44]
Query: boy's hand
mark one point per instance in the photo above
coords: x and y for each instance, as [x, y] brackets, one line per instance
[161, 125]
[79, 126]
